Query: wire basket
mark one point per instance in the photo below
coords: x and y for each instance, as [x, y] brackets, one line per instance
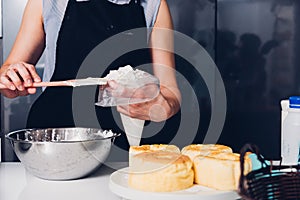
[268, 182]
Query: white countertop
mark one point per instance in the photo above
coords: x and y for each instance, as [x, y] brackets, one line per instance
[17, 184]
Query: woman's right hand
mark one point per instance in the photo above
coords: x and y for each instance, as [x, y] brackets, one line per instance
[18, 78]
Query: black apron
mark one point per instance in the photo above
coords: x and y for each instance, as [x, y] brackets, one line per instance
[85, 25]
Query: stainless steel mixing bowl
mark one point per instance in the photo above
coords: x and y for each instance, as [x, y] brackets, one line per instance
[61, 153]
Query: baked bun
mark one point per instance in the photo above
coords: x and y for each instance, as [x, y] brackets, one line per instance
[160, 171]
[134, 150]
[219, 170]
[194, 150]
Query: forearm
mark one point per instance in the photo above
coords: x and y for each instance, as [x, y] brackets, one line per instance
[18, 71]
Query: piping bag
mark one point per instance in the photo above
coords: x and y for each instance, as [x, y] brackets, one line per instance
[129, 86]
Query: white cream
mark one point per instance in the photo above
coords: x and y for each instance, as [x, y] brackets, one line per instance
[87, 81]
[125, 75]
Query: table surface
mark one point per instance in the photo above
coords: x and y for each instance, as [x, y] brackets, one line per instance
[17, 184]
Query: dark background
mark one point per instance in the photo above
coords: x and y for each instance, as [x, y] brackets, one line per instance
[255, 45]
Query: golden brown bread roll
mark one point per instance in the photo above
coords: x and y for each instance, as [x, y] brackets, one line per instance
[220, 171]
[194, 150]
[151, 148]
[160, 171]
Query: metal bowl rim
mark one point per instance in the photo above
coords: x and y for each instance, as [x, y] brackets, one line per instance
[8, 136]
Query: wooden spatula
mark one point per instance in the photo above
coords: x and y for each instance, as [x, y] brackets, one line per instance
[71, 83]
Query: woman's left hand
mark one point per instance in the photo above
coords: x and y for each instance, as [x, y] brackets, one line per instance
[158, 109]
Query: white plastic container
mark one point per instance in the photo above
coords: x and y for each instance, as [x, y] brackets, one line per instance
[291, 133]
[284, 111]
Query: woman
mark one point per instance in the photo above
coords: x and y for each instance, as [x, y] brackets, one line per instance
[68, 30]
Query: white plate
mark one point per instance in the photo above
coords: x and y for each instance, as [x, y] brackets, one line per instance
[118, 184]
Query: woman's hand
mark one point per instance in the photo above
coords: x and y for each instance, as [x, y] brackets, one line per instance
[18, 78]
[165, 105]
